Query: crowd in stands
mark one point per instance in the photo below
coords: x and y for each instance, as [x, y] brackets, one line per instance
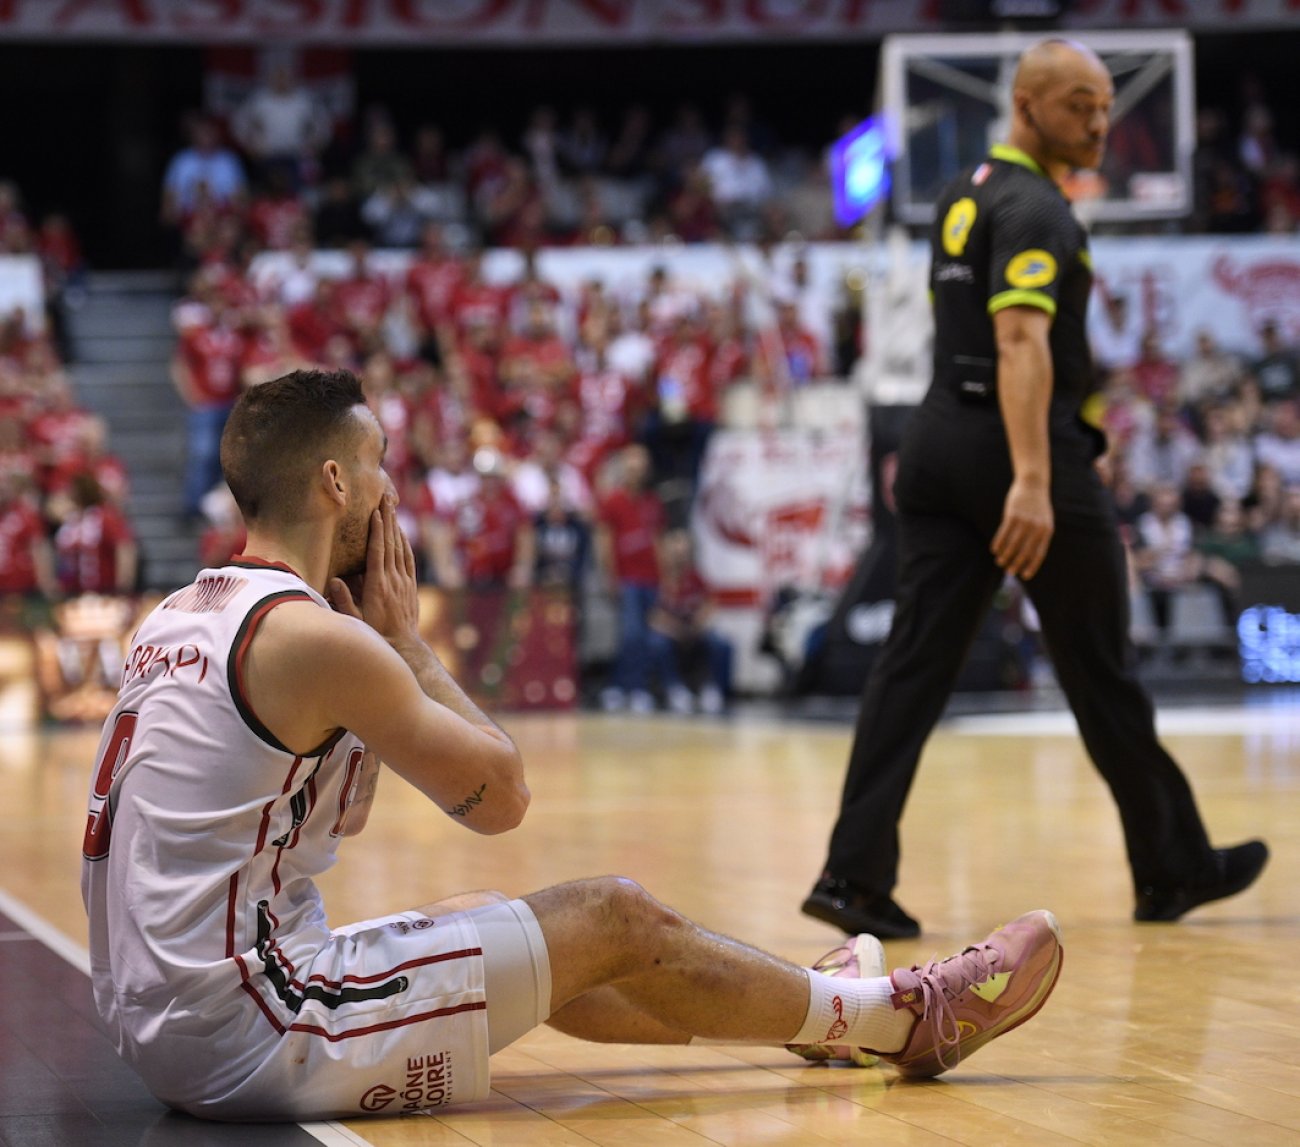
[63, 526]
[625, 175]
[1205, 455]
[280, 164]
[514, 415]
[541, 439]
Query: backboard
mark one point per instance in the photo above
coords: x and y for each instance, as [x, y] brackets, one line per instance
[947, 98]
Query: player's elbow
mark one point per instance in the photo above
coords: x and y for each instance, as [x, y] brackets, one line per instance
[509, 812]
[504, 796]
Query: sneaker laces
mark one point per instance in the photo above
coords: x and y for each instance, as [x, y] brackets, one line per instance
[942, 981]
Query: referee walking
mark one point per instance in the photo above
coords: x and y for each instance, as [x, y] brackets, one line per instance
[996, 475]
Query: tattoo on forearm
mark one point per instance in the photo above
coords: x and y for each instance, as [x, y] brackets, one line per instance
[467, 805]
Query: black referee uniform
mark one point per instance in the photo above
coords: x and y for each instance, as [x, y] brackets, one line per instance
[1004, 236]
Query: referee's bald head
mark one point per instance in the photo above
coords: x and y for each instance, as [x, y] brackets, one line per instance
[1053, 60]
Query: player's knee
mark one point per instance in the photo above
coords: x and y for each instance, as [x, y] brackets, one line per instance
[632, 912]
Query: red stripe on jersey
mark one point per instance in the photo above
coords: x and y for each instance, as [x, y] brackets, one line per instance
[265, 827]
[442, 958]
[292, 980]
[438, 1013]
[280, 1029]
[249, 561]
[345, 792]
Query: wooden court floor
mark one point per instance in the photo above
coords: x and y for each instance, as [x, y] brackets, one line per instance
[1157, 1034]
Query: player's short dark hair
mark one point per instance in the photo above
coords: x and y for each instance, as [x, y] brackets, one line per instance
[281, 432]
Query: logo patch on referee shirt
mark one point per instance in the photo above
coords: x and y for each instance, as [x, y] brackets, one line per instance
[956, 226]
[1032, 268]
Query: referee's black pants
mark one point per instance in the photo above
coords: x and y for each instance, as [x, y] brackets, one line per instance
[952, 481]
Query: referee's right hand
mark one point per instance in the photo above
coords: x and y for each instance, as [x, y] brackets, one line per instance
[1020, 545]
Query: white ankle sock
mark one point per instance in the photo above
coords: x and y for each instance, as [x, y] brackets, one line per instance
[854, 1012]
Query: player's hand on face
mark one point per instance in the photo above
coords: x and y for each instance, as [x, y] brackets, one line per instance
[389, 603]
[1020, 545]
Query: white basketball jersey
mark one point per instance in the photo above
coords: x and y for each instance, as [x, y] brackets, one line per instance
[203, 838]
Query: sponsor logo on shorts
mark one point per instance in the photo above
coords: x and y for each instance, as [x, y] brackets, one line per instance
[377, 1098]
[428, 1081]
[405, 927]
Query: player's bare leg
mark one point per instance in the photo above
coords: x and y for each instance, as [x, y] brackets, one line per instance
[626, 968]
[610, 931]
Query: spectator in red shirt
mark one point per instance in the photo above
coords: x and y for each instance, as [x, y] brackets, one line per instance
[17, 456]
[277, 214]
[26, 557]
[57, 427]
[432, 280]
[475, 301]
[361, 299]
[731, 359]
[1154, 373]
[476, 359]
[95, 546]
[395, 411]
[631, 524]
[537, 370]
[530, 288]
[486, 542]
[677, 429]
[608, 406]
[451, 479]
[681, 633]
[268, 346]
[89, 454]
[207, 369]
[440, 405]
[314, 322]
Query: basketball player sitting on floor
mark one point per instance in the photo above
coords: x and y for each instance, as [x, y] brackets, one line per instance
[255, 707]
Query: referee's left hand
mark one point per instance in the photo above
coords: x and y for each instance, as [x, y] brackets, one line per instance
[1020, 545]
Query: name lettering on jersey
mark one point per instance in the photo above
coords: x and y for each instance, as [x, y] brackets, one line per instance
[1030, 269]
[171, 659]
[465, 806]
[207, 595]
[957, 224]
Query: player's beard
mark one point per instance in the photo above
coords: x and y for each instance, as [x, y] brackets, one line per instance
[351, 544]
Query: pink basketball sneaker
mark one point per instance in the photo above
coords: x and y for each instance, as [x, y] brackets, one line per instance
[859, 957]
[968, 999]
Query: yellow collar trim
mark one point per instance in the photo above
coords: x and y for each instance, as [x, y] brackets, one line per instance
[1009, 154]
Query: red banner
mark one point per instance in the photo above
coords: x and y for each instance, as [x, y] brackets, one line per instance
[596, 23]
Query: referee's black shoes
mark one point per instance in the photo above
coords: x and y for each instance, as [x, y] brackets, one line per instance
[837, 902]
[1233, 870]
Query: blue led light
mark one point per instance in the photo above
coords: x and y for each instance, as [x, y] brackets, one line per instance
[860, 170]
[1269, 640]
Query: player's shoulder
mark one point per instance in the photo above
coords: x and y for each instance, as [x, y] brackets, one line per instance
[303, 648]
[303, 620]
